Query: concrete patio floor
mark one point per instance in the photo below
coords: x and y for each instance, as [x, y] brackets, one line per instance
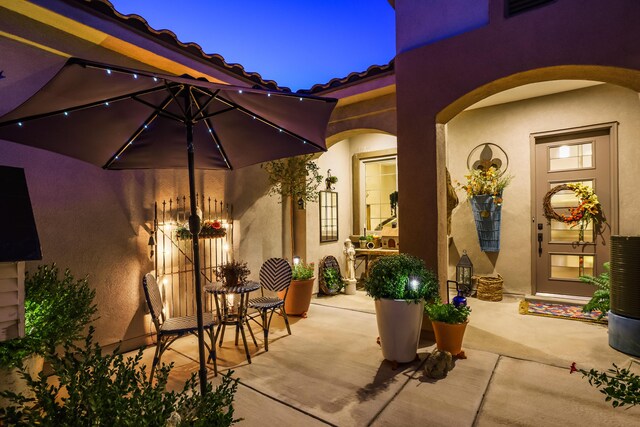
[331, 371]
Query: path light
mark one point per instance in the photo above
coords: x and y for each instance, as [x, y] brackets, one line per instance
[296, 260]
[414, 283]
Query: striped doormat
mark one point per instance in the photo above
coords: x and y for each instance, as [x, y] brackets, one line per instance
[560, 311]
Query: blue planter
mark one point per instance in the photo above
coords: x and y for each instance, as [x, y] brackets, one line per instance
[487, 216]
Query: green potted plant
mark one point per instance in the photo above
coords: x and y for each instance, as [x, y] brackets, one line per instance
[57, 309]
[298, 299]
[449, 323]
[233, 273]
[601, 299]
[363, 242]
[333, 280]
[400, 284]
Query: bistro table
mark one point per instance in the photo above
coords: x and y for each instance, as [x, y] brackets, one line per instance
[227, 313]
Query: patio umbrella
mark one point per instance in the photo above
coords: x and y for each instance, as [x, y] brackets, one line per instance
[121, 118]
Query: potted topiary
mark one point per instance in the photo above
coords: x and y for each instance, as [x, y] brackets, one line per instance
[299, 296]
[57, 310]
[233, 273]
[449, 323]
[400, 284]
[362, 240]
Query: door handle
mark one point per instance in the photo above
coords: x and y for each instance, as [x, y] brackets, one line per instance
[539, 244]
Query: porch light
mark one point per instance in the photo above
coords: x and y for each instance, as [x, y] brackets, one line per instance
[464, 272]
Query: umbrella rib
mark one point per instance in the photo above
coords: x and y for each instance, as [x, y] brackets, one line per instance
[260, 118]
[138, 131]
[160, 110]
[82, 107]
[212, 132]
[206, 104]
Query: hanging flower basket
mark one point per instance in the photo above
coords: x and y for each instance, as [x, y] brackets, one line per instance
[487, 211]
[210, 230]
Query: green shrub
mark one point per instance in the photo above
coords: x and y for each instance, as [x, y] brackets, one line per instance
[332, 279]
[601, 299]
[302, 271]
[109, 390]
[56, 312]
[447, 313]
[401, 276]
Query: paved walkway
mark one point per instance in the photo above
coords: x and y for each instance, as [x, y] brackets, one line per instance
[331, 371]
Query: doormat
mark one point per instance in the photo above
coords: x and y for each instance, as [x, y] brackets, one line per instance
[560, 311]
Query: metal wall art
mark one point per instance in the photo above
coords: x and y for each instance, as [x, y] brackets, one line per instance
[487, 155]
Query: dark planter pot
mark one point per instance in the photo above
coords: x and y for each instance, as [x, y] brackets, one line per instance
[487, 215]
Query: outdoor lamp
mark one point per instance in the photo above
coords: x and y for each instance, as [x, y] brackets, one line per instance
[152, 244]
[296, 260]
[414, 283]
[464, 272]
[300, 203]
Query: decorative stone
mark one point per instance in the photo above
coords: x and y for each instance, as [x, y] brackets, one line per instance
[438, 364]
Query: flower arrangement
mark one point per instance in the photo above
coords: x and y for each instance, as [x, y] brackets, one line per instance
[211, 229]
[233, 273]
[302, 271]
[620, 386]
[491, 181]
[588, 209]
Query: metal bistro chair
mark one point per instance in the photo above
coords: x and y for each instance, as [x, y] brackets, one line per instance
[275, 275]
[169, 330]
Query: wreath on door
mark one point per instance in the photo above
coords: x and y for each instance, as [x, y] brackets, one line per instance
[588, 210]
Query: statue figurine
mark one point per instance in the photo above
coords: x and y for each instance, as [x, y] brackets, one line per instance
[350, 253]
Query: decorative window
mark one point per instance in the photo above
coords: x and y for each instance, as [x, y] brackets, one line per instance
[328, 216]
[381, 180]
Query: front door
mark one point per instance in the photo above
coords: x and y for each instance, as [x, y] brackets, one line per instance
[560, 257]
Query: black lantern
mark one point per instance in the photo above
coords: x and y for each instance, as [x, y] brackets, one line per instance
[464, 272]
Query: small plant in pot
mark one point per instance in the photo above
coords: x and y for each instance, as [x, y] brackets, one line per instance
[400, 284]
[233, 273]
[362, 240]
[298, 299]
[333, 280]
[449, 323]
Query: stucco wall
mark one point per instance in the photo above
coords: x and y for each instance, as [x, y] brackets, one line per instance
[422, 22]
[95, 222]
[509, 126]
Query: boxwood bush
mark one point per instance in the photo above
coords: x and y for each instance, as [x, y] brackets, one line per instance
[401, 276]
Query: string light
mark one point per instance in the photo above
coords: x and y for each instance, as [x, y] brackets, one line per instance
[108, 71]
[106, 103]
[155, 79]
[20, 124]
[66, 113]
[300, 99]
[269, 95]
[146, 126]
[135, 76]
[240, 91]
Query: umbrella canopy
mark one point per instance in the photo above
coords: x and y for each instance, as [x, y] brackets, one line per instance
[121, 118]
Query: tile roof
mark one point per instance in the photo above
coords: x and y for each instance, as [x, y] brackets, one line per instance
[372, 71]
[137, 22]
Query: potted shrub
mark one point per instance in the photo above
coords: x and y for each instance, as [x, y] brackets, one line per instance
[300, 291]
[363, 242]
[57, 309]
[233, 273]
[449, 323]
[400, 284]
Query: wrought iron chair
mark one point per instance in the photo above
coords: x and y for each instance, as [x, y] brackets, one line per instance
[169, 330]
[275, 275]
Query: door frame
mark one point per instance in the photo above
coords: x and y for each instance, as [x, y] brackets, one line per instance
[612, 129]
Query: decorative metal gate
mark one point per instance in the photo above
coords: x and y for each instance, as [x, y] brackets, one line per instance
[173, 250]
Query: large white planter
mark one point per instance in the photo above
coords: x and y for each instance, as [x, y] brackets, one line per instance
[399, 324]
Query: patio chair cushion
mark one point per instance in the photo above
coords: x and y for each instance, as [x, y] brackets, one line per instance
[265, 302]
[185, 324]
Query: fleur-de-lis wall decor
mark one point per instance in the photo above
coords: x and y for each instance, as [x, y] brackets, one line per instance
[488, 155]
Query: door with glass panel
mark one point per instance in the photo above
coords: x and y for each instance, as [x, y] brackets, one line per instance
[561, 254]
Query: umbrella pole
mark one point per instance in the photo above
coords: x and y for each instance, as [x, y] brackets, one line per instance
[194, 228]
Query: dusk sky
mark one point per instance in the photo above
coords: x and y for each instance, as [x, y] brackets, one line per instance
[297, 43]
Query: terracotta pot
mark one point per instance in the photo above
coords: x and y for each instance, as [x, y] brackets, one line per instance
[449, 336]
[399, 325]
[299, 297]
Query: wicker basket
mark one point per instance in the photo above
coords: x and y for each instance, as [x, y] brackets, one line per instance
[490, 288]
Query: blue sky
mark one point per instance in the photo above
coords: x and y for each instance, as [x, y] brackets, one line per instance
[297, 43]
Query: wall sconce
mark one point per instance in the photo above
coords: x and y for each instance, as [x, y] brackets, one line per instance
[300, 203]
